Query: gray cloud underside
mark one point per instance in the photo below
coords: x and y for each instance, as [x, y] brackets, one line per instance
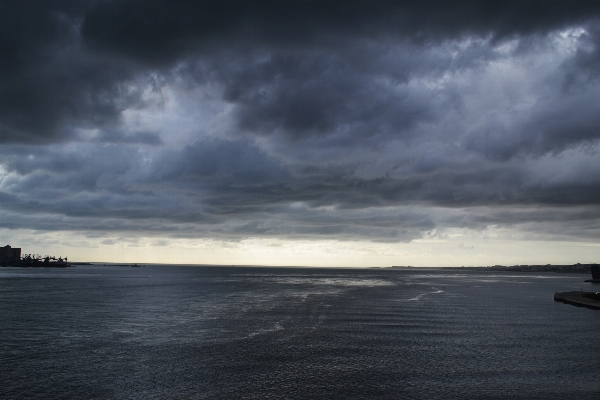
[343, 120]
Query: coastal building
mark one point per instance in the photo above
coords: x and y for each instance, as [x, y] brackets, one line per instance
[10, 254]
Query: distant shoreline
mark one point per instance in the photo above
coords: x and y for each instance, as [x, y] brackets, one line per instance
[535, 268]
[565, 269]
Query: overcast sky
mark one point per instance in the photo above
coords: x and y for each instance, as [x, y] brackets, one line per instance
[300, 132]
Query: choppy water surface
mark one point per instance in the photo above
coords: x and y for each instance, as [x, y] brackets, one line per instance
[165, 332]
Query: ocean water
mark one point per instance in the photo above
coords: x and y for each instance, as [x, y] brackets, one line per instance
[176, 332]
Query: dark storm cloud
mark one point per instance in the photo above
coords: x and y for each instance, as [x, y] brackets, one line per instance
[323, 84]
[51, 78]
[114, 136]
[317, 94]
[558, 121]
[161, 32]
[333, 119]
[48, 83]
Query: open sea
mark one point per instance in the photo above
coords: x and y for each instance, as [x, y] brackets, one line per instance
[183, 332]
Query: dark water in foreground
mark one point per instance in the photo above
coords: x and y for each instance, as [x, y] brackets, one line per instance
[263, 333]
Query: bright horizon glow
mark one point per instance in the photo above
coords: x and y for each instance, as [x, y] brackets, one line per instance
[433, 252]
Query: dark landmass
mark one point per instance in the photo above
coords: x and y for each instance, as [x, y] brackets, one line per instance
[579, 299]
[566, 269]
[46, 262]
[11, 257]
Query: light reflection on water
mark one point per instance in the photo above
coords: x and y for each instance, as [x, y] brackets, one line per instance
[202, 332]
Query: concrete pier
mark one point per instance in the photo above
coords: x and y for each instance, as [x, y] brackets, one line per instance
[579, 299]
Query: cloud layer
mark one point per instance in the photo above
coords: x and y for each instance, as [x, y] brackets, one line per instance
[386, 121]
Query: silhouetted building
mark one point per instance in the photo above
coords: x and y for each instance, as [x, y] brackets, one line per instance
[10, 254]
